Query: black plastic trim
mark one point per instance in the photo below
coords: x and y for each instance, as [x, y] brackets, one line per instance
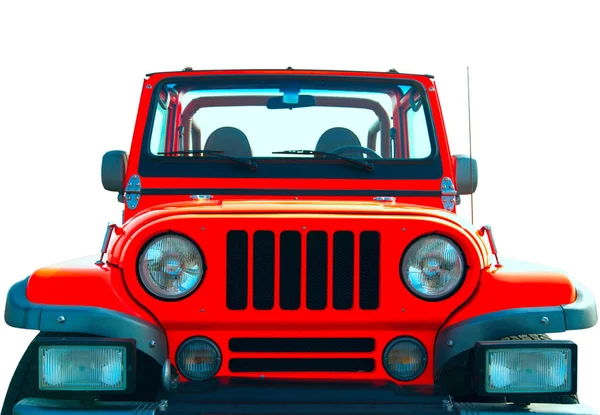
[462, 336]
[22, 313]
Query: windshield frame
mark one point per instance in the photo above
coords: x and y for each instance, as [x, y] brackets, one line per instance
[151, 165]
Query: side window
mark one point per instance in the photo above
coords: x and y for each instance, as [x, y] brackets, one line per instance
[159, 130]
[418, 133]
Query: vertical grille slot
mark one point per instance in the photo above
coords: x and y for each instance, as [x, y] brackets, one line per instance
[343, 270]
[290, 268]
[263, 270]
[237, 270]
[369, 270]
[316, 270]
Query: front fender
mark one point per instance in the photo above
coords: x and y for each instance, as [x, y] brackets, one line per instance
[517, 298]
[87, 300]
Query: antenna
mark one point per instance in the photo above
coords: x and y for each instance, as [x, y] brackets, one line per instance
[470, 145]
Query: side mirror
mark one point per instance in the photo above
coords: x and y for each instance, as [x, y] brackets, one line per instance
[114, 165]
[466, 174]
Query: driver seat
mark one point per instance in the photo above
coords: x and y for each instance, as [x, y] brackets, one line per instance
[336, 137]
[229, 140]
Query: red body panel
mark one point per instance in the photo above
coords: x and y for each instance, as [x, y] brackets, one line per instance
[517, 284]
[81, 282]
[205, 313]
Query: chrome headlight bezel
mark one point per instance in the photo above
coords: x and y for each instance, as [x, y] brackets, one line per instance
[457, 285]
[154, 291]
[481, 363]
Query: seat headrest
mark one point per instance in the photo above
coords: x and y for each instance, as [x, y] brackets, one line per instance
[336, 137]
[230, 140]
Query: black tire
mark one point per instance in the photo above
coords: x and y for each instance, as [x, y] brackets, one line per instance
[23, 383]
[563, 399]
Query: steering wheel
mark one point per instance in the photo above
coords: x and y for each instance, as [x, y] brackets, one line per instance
[355, 149]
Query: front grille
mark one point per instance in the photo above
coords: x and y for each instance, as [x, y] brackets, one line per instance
[302, 345]
[301, 365]
[307, 257]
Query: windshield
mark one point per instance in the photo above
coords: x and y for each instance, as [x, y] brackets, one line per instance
[290, 129]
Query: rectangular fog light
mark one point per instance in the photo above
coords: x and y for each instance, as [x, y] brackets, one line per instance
[79, 365]
[526, 367]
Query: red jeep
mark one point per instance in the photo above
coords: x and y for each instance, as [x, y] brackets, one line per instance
[290, 246]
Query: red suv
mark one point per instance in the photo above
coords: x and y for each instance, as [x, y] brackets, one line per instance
[290, 245]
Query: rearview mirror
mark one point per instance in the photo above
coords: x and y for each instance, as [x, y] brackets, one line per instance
[114, 165]
[466, 174]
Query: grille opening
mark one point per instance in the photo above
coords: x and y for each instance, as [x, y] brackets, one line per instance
[301, 365]
[316, 270]
[290, 270]
[263, 260]
[237, 270]
[311, 263]
[301, 345]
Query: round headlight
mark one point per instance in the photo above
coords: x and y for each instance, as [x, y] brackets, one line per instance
[433, 267]
[171, 267]
[198, 358]
[404, 358]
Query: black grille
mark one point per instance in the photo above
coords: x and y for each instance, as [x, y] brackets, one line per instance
[302, 345]
[316, 270]
[290, 268]
[343, 270]
[369, 270]
[301, 365]
[317, 265]
[263, 259]
[237, 270]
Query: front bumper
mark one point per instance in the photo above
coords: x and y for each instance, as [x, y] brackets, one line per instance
[33, 406]
[234, 396]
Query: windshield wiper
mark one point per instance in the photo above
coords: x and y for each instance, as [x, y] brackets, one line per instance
[368, 166]
[252, 165]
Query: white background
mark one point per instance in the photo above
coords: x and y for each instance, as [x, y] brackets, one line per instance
[71, 75]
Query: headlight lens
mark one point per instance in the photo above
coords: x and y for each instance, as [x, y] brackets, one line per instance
[433, 267]
[404, 358]
[528, 370]
[198, 358]
[82, 368]
[171, 266]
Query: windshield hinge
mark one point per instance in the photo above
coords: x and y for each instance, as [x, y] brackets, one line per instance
[448, 194]
[133, 192]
